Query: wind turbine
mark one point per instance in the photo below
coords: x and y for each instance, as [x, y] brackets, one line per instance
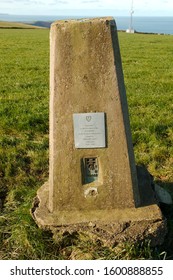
[131, 30]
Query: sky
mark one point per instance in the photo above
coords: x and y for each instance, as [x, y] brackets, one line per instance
[87, 7]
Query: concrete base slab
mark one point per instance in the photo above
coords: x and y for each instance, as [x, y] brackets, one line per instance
[110, 225]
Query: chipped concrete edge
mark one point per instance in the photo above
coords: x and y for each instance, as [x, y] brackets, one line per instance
[136, 225]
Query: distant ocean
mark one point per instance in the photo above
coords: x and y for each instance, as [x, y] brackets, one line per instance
[140, 24]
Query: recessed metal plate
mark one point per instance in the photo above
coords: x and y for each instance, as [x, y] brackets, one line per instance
[89, 130]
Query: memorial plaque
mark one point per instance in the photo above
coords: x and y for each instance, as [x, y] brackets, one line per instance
[89, 130]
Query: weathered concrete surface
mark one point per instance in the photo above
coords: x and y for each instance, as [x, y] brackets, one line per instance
[86, 77]
[110, 226]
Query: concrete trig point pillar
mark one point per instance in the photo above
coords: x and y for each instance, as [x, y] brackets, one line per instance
[92, 178]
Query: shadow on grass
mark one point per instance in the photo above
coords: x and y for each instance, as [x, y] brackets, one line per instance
[167, 211]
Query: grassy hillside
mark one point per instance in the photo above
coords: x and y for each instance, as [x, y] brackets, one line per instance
[16, 25]
[24, 125]
[148, 72]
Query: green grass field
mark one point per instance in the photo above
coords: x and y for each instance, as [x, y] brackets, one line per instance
[24, 125]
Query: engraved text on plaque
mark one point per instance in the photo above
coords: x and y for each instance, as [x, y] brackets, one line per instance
[89, 130]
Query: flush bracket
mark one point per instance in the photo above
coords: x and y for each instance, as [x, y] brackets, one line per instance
[90, 169]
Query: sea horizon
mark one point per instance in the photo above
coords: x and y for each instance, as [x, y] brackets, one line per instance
[143, 24]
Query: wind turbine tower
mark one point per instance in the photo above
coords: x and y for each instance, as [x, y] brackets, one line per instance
[131, 30]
